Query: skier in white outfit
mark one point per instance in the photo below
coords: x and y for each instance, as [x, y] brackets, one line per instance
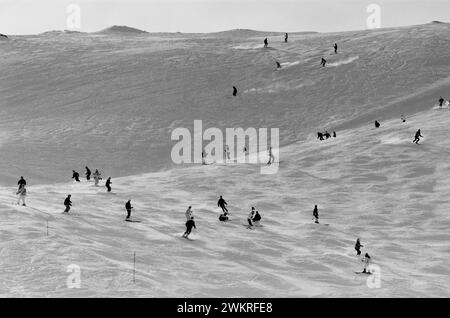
[22, 192]
[227, 152]
[97, 177]
[366, 261]
[189, 214]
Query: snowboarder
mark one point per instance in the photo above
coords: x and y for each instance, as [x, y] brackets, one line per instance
[76, 176]
[417, 137]
[441, 101]
[188, 214]
[334, 134]
[97, 177]
[67, 203]
[266, 43]
[316, 214]
[88, 174]
[234, 91]
[335, 48]
[256, 218]
[278, 64]
[285, 38]
[271, 156]
[377, 124]
[189, 225]
[323, 62]
[128, 207]
[221, 203]
[358, 247]
[21, 183]
[366, 261]
[22, 192]
[108, 184]
[223, 217]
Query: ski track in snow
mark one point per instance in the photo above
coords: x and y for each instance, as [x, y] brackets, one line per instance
[370, 183]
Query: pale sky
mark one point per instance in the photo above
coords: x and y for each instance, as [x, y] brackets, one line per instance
[36, 16]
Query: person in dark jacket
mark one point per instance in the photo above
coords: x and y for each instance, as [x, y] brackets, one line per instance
[358, 247]
[222, 203]
[223, 217]
[335, 48]
[323, 62]
[67, 203]
[377, 124]
[108, 184]
[234, 91]
[266, 43]
[21, 183]
[76, 176]
[417, 137]
[128, 207]
[316, 214]
[441, 101]
[88, 174]
[189, 225]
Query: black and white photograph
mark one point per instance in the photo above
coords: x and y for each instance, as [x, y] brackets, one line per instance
[225, 150]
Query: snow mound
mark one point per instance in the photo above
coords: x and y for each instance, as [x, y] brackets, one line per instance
[121, 29]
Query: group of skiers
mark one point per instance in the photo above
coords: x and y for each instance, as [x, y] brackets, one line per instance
[417, 135]
[367, 259]
[96, 175]
[326, 134]
[441, 101]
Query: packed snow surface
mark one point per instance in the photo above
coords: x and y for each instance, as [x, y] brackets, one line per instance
[110, 100]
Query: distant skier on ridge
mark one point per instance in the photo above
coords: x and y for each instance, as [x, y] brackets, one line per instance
[266, 43]
[335, 48]
[97, 177]
[441, 101]
[285, 38]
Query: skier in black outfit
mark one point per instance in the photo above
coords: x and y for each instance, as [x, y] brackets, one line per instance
[335, 48]
[108, 184]
[265, 42]
[128, 207]
[221, 203]
[327, 135]
[334, 134]
[234, 91]
[285, 38]
[323, 62]
[76, 176]
[358, 247]
[316, 214]
[67, 203]
[417, 137]
[377, 124]
[278, 64]
[21, 183]
[441, 101]
[88, 174]
[320, 135]
[189, 225]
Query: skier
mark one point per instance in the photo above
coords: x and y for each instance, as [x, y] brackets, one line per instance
[265, 42]
[97, 177]
[323, 62]
[278, 64]
[417, 137]
[257, 219]
[189, 225]
[320, 136]
[21, 183]
[403, 118]
[377, 124]
[88, 174]
[250, 218]
[358, 247]
[316, 214]
[203, 158]
[271, 156]
[223, 217]
[76, 176]
[285, 38]
[67, 203]
[188, 214]
[334, 134]
[335, 48]
[108, 184]
[327, 134]
[366, 261]
[441, 101]
[234, 91]
[221, 203]
[128, 207]
[22, 192]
